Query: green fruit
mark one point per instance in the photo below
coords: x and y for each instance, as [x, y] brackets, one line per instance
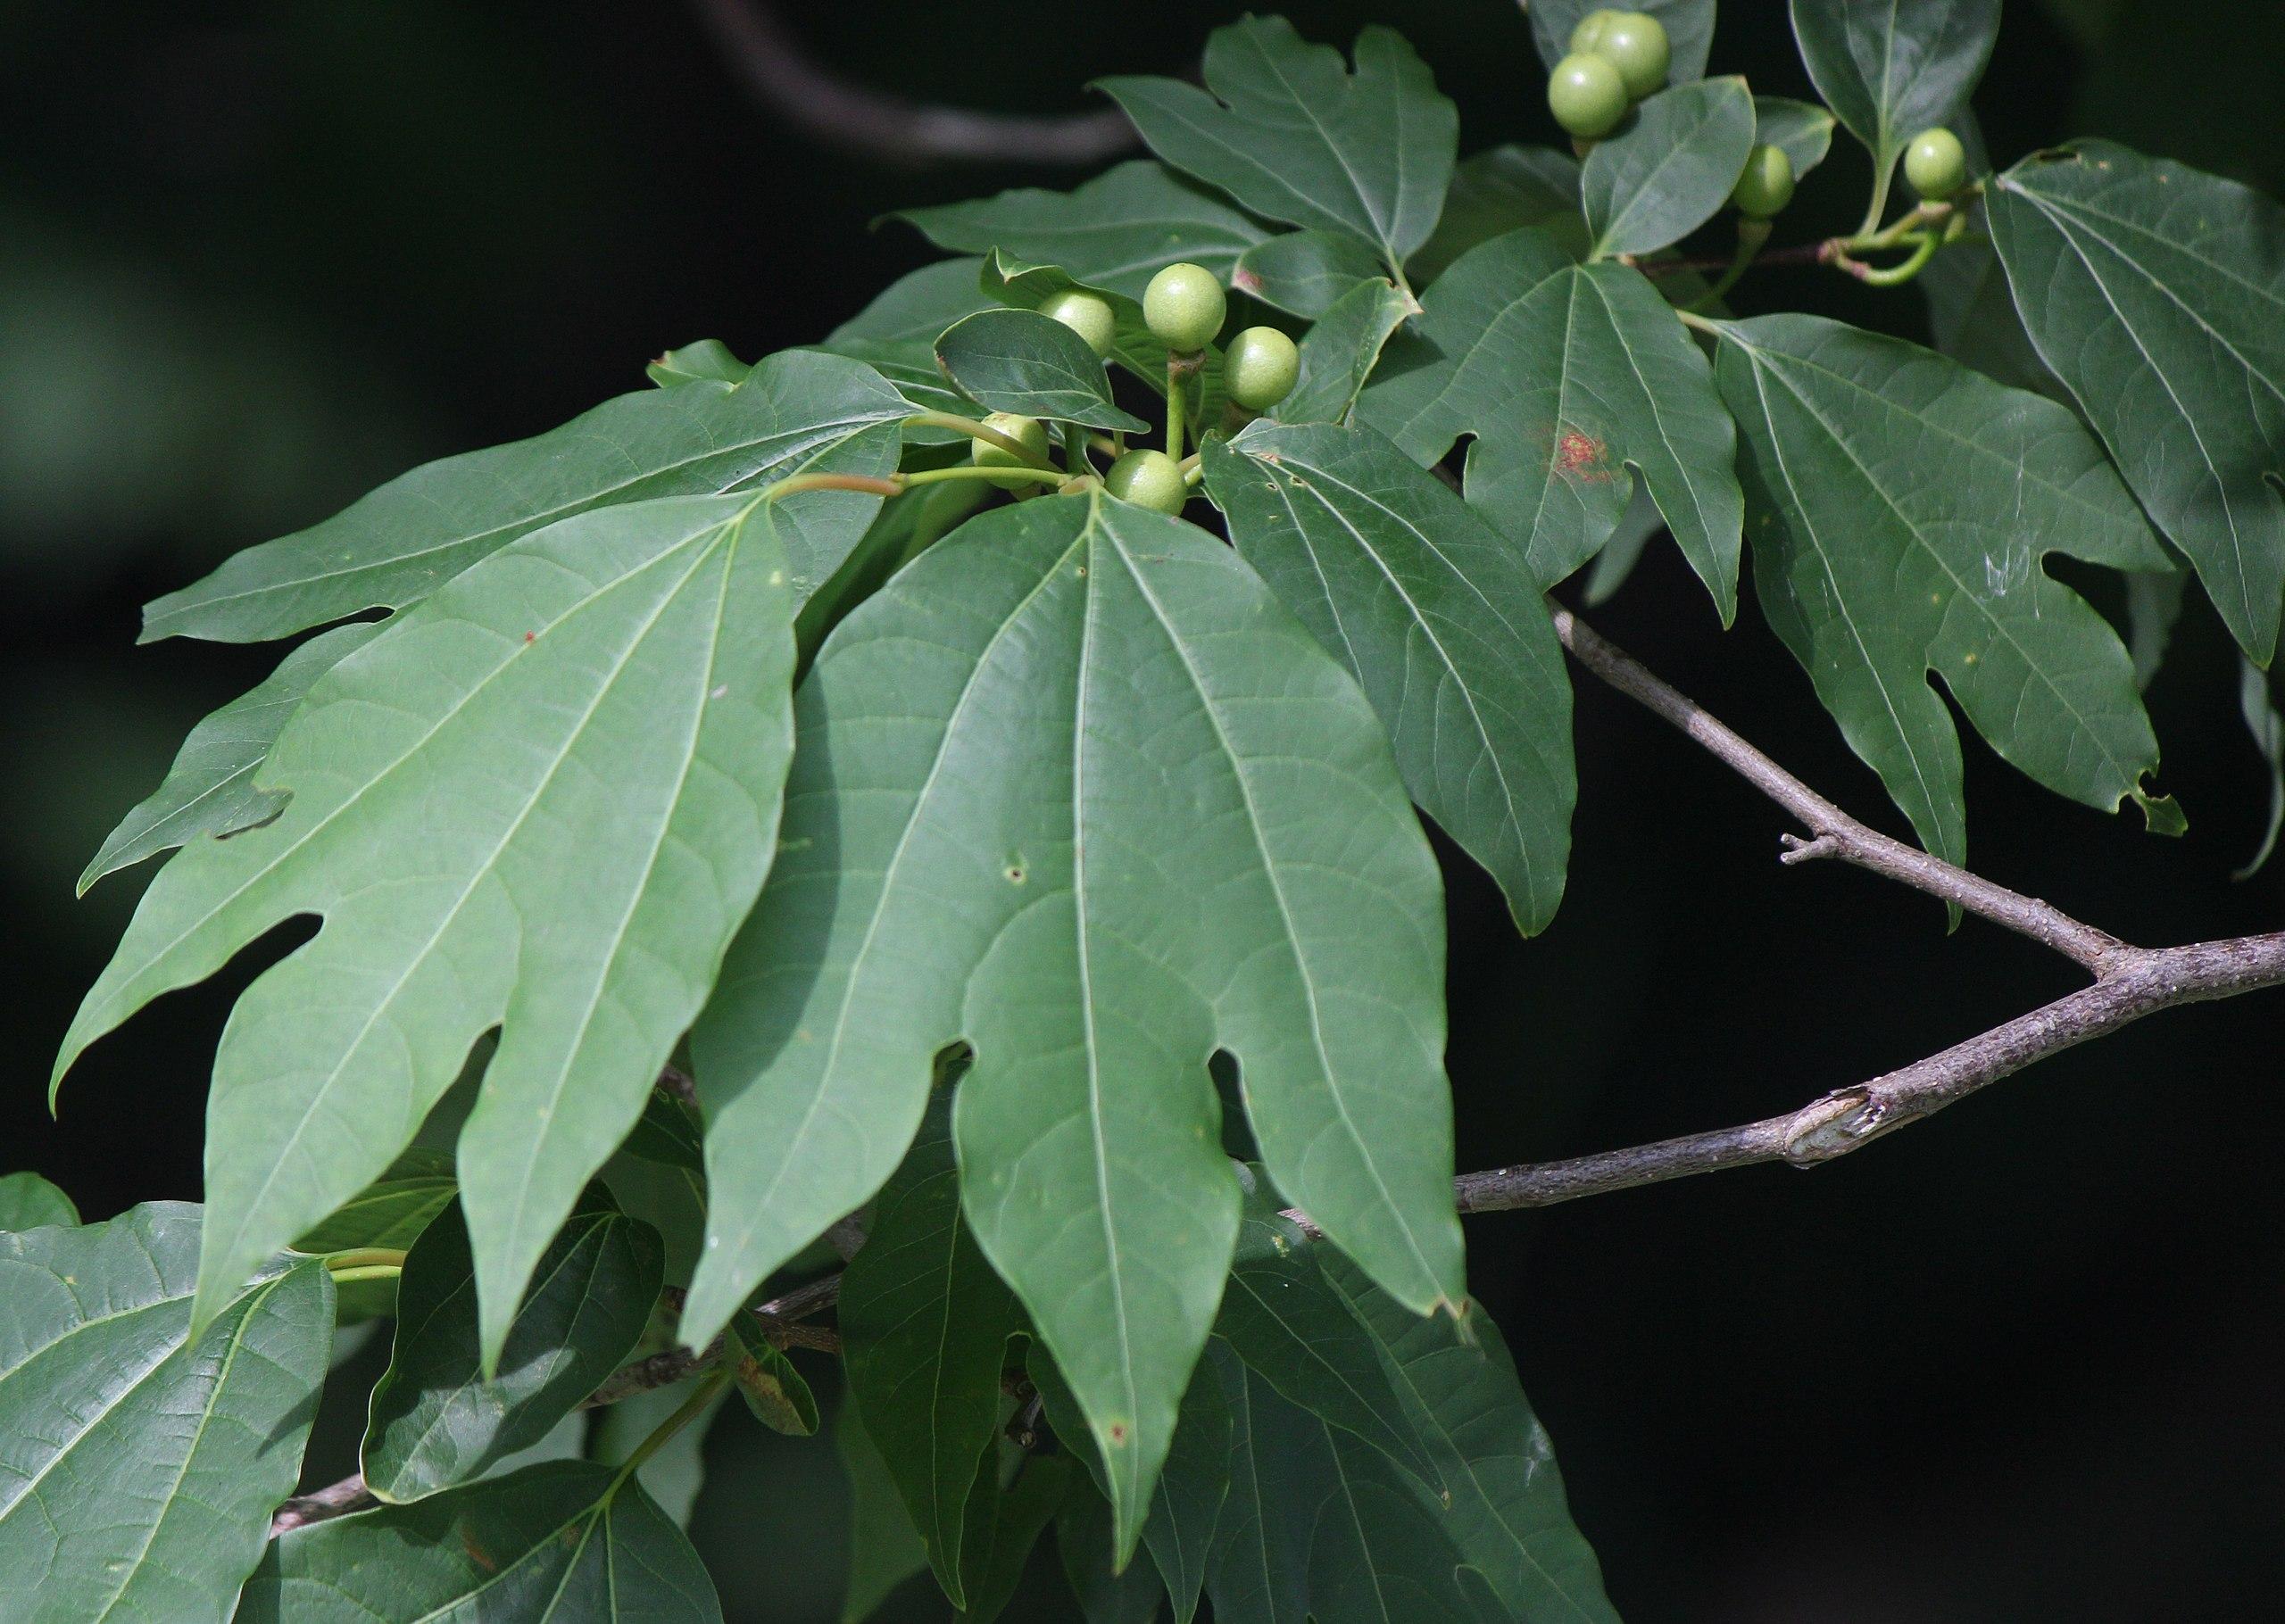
[1029, 431]
[1767, 185]
[1184, 307]
[1586, 95]
[1085, 314]
[1258, 369]
[1936, 164]
[1147, 479]
[1589, 31]
[1635, 44]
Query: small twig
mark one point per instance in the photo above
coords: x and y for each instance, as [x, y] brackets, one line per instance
[1833, 833]
[334, 1500]
[785, 79]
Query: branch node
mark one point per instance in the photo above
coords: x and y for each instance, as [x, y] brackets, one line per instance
[1799, 849]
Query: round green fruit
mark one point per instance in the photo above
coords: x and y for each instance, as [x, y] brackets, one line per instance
[1085, 314]
[1767, 185]
[1635, 44]
[1029, 432]
[1936, 164]
[1589, 31]
[1147, 479]
[1184, 307]
[1586, 95]
[1259, 366]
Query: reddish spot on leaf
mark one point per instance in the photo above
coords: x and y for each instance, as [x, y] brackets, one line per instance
[477, 1554]
[1118, 1432]
[1580, 456]
[531, 636]
[1245, 280]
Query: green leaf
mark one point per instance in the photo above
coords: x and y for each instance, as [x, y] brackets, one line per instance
[1435, 613]
[435, 1423]
[1567, 375]
[1802, 131]
[1025, 1506]
[542, 801]
[885, 1549]
[138, 1470]
[1504, 190]
[1117, 231]
[29, 1202]
[1259, 1570]
[393, 548]
[1187, 1498]
[1306, 272]
[562, 1543]
[1689, 25]
[1074, 789]
[777, 1393]
[1320, 1524]
[1341, 348]
[2268, 731]
[1022, 362]
[924, 1326]
[1669, 169]
[1902, 506]
[1287, 1321]
[1501, 1500]
[1082, 1538]
[390, 1212]
[1285, 129]
[1025, 286]
[1891, 68]
[658, 1175]
[896, 336]
[708, 358]
[2154, 602]
[209, 789]
[675, 1471]
[2157, 294]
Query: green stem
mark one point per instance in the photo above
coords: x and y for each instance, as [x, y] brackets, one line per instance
[975, 430]
[365, 1257]
[685, 1413]
[1753, 235]
[1923, 248]
[1880, 203]
[892, 485]
[1177, 379]
[1692, 319]
[936, 475]
[377, 1271]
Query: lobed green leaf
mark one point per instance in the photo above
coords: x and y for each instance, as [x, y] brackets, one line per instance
[1669, 169]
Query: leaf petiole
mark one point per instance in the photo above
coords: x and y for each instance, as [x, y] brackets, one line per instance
[339, 1264]
[688, 1411]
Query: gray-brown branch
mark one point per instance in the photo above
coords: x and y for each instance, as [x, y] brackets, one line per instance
[785, 79]
[2128, 984]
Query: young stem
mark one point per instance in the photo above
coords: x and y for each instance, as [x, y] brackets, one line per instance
[688, 1411]
[364, 1258]
[376, 1272]
[975, 430]
[1923, 248]
[1178, 370]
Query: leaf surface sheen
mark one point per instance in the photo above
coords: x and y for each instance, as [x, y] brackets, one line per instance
[561, 1542]
[1098, 809]
[138, 1470]
[797, 411]
[1566, 375]
[543, 800]
[1285, 129]
[435, 1421]
[1903, 505]
[1668, 168]
[2157, 294]
[1440, 621]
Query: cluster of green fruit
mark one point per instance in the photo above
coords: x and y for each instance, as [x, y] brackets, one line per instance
[1184, 307]
[1616, 58]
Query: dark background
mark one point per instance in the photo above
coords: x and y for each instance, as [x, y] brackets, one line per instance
[2020, 1363]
